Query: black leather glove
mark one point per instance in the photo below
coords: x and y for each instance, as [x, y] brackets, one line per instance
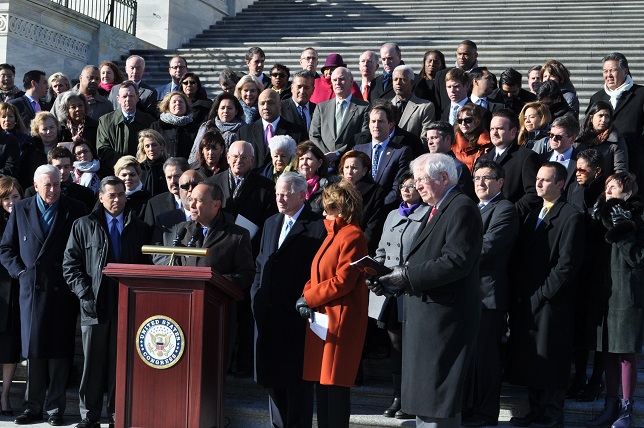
[596, 214]
[88, 306]
[618, 214]
[303, 308]
[398, 278]
[374, 285]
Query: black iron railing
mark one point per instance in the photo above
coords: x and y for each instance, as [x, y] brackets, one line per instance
[119, 14]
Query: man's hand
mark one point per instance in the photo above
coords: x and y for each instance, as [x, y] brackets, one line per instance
[374, 285]
[89, 307]
[398, 278]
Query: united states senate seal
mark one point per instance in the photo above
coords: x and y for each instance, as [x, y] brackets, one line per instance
[160, 342]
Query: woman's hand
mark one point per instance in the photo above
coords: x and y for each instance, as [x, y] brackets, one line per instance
[303, 308]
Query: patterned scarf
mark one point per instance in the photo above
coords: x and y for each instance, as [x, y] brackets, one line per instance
[10, 94]
[77, 131]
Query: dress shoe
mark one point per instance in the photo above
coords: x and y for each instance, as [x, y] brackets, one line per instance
[575, 388]
[88, 423]
[590, 392]
[27, 418]
[402, 415]
[390, 412]
[7, 412]
[476, 421]
[547, 422]
[55, 420]
[524, 421]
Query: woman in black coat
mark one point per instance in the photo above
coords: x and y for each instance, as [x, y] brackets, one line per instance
[622, 334]
[355, 166]
[74, 120]
[176, 124]
[128, 169]
[152, 155]
[10, 191]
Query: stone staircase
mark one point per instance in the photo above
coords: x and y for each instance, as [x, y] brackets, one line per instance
[509, 33]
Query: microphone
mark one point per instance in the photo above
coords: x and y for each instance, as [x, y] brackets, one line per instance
[195, 236]
[179, 237]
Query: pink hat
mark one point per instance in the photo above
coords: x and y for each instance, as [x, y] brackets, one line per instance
[334, 60]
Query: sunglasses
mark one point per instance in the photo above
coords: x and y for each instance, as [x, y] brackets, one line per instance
[188, 82]
[467, 120]
[187, 186]
[558, 138]
[278, 74]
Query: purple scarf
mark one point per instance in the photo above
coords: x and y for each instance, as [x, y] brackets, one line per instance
[405, 211]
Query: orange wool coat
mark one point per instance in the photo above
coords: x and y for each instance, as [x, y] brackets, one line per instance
[469, 156]
[338, 290]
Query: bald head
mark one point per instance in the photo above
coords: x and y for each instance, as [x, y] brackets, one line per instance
[269, 105]
[341, 80]
[187, 182]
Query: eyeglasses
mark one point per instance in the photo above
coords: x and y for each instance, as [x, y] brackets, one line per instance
[278, 74]
[407, 187]
[421, 180]
[188, 82]
[483, 178]
[309, 58]
[188, 185]
[465, 120]
[243, 158]
[558, 138]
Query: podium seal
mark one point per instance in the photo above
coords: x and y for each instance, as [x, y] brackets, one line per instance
[160, 342]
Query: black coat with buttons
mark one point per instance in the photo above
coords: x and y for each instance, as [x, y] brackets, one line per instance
[48, 308]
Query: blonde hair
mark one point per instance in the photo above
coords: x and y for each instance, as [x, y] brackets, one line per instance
[345, 198]
[152, 135]
[542, 111]
[40, 119]
[127, 161]
[248, 79]
[164, 104]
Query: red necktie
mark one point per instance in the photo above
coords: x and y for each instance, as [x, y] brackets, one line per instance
[431, 214]
[365, 93]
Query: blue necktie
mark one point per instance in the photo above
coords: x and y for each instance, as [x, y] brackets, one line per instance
[376, 158]
[300, 110]
[115, 237]
[205, 231]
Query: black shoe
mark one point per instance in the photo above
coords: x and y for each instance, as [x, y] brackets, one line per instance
[524, 421]
[390, 412]
[88, 423]
[547, 422]
[55, 420]
[590, 392]
[402, 415]
[27, 418]
[575, 388]
[476, 421]
[7, 412]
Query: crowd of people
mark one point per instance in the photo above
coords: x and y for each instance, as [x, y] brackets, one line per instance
[509, 234]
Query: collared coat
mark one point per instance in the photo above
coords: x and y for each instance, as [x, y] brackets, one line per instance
[115, 138]
[280, 277]
[338, 290]
[442, 308]
[48, 308]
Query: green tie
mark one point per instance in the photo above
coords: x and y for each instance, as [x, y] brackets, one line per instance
[339, 114]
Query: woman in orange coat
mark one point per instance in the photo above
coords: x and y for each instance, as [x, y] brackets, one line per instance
[472, 140]
[339, 291]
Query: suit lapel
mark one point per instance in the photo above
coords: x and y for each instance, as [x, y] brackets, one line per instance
[410, 109]
[258, 134]
[60, 218]
[623, 101]
[385, 159]
[428, 227]
[274, 232]
[31, 213]
[348, 115]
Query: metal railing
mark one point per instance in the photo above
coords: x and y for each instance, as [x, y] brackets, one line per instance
[119, 14]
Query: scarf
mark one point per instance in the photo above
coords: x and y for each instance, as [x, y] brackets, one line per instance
[10, 94]
[313, 184]
[601, 137]
[175, 120]
[85, 171]
[228, 130]
[406, 211]
[76, 131]
[47, 214]
[616, 94]
[250, 113]
[107, 86]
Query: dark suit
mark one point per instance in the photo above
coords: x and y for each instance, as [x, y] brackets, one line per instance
[465, 182]
[254, 134]
[572, 164]
[164, 90]
[544, 266]
[290, 113]
[115, 138]
[279, 329]
[515, 104]
[256, 202]
[500, 229]
[148, 99]
[521, 166]
[393, 163]
[9, 155]
[322, 131]
[26, 109]
[442, 309]
[48, 308]
[159, 204]
[377, 91]
[629, 120]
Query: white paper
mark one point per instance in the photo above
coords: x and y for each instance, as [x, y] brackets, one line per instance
[320, 324]
[251, 227]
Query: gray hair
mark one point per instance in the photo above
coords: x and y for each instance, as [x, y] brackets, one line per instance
[295, 181]
[62, 107]
[45, 170]
[434, 164]
[407, 71]
[622, 63]
[182, 163]
[567, 122]
[284, 143]
[135, 57]
[347, 70]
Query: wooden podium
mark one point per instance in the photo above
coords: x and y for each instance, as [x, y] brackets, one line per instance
[171, 345]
